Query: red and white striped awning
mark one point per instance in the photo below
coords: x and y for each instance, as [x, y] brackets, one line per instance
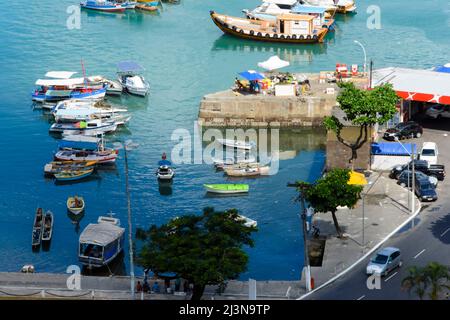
[415, 85]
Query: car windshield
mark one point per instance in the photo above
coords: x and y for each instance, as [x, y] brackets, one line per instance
[426, 187]
[401, 125]
[428, 152]
[380, 259]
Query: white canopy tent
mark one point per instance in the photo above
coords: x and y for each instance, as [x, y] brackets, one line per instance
[273, 63]
[60, 74]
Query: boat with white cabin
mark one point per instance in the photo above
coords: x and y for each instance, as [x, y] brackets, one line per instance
[131, 79]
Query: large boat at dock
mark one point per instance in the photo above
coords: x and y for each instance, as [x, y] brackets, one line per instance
[287, 28]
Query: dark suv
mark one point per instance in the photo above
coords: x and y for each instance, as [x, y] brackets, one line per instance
[425, 190]
[404, 130]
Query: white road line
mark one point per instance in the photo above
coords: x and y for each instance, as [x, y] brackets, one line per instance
[415, 257]
[390, 277]
[443, 233]
[362, 297]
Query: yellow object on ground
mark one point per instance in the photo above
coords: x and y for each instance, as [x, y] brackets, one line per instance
[357, 178]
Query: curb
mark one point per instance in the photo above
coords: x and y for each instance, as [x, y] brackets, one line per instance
[366, 255]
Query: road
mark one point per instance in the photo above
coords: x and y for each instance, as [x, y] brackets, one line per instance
[428, 240]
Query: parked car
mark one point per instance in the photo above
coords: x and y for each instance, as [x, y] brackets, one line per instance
[384, 261]
[425, 190]
[438, 111]
[404, 130]
[429, 152]
[435, 170]
[405, 178]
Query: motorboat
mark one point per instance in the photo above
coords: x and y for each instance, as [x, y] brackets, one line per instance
[287, 28]
[37, 228]
[97, 125]
[339, 6]
[113, 88]
[236, 144]
[130, 77]
[75, 205]
[47, 227]
[247, 171]
[220, 164]
[269, 9]
[100, 156]
[226, 188]
[103, 5]
[250, 223]
[101, 242]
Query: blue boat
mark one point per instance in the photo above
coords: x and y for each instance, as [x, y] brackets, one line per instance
[101, 242]
[102, 5]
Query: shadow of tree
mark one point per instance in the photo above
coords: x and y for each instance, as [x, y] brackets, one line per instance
[438, 227]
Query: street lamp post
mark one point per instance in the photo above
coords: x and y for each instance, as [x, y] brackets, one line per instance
[413, 179]
[365, 56]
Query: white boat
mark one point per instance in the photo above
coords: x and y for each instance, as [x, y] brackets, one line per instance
[231, 161]
[128, 4]
[340, 6]
[97, 125]
[77, 104]
[248, 171]
[101, 156]
[271, 8]
[165, 173]
[113, 88]
[130, 77]
[247, 221]
[236, 144]
[76, 115]
[101, 242]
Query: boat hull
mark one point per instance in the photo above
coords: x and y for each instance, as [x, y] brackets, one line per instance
[80, 156]
[106, 8]
[224, 190]
[75, 176]
[267, 37]
[75, 210]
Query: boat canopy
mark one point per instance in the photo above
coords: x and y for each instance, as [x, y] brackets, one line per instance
[273, 63]
[308, 9]
[164, 163]
[393, 149]
[60, 82]
[60, 74]
[252, 75]
[129, 66]
[101, 234]
[282, 2]
[445, 68]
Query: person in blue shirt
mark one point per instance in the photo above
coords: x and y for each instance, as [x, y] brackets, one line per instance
[155, 287]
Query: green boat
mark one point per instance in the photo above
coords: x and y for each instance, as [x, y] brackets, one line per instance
[226, 188]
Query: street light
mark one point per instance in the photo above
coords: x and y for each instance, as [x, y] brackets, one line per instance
[413, 176]
[365, 56]
[128, 146]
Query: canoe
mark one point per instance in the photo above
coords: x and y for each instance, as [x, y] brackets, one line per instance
[73, 175]
[37, 229]
[48, 226]
[75, 205]
[247, 172]
[226, 188]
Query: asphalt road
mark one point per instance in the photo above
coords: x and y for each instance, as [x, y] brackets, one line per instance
[428, 240]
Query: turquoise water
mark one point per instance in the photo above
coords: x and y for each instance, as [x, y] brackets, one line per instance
[185, 56]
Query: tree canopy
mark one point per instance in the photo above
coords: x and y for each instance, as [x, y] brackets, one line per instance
[330, 192]
[433, 276]
[203, 249]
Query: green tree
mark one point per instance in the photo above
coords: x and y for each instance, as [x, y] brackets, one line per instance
[330, 192]
[434, 275]
[203, 249]
[363, 108]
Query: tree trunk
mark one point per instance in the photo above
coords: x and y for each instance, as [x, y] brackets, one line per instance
[197, 292]
[336, 224]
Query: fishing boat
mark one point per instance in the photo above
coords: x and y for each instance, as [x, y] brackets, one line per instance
[73, 175]
[48, 226]
[97, 125]
[130, 77]
[37, 228]
[59, 166]
[103, 5]
[248, 171]
[288, 28]
[101, 156]
[145, 7]
[226, 188]
[75, 205]
[250, 223]
[101, 242]
[236, 144]
[128, 4]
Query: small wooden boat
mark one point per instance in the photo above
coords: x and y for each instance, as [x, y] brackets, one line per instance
[58, 166]
[48, 226]
[75, 205]
[242, 165]
[73, 175]
[226, 188]
[247, 171]
[144, 7]
[37, 229]
[236, 144]
[103, 5]
[247, 221]
[287, 28]
[102, 156]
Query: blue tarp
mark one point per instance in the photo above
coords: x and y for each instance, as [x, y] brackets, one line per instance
[164, 163]
[129, 66]
[250, 76]
[307, 9]
[393, 149]
[442, 69]
[77, 145]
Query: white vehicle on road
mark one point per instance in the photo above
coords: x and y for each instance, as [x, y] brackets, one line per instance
[438, 111]
[429, 152]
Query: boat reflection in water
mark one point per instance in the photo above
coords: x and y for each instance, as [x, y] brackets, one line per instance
[165, 187]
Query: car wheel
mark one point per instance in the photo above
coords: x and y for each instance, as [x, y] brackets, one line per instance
[418, 135]
[403, 185]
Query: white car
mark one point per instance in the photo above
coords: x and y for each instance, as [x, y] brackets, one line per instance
[429, 152]
[438, 111]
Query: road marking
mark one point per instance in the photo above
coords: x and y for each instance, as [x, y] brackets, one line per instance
[415, 257]
[443, 233]
[362, 297]
[391, 277]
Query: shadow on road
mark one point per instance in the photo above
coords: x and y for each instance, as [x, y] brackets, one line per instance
[439, 227]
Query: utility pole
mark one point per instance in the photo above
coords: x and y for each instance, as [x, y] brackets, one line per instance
[413, 191]
[130, 233]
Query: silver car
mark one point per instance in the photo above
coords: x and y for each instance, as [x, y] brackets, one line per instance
[384, 261]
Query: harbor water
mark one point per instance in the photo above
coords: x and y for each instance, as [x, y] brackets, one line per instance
[185, 56]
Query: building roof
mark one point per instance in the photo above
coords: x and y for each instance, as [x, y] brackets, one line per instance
[415, 85]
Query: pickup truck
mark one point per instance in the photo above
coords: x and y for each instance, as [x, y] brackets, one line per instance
[435, 170]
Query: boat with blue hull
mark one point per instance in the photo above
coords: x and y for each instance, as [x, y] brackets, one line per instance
[102, 5]
[100, 243]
